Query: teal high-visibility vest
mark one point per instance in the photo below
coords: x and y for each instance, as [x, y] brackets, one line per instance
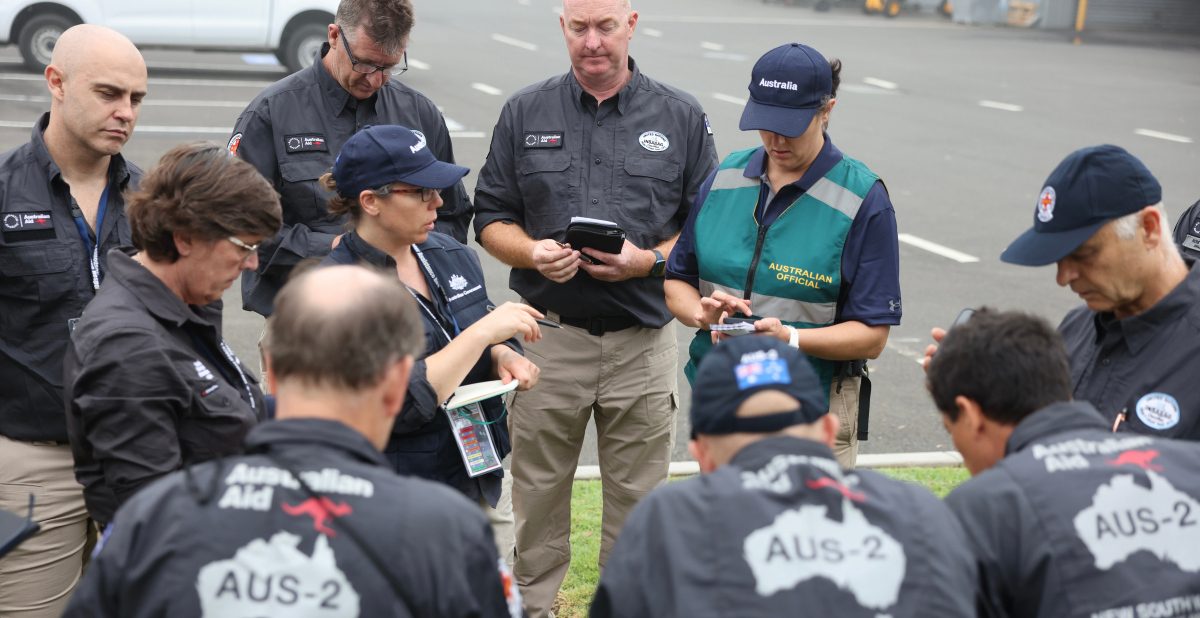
[791, 269]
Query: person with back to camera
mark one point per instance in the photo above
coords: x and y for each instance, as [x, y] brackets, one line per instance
[151, 384]
[797, 235]
[310, 522]
[774, 526]
[389, 184]
[1065, 518]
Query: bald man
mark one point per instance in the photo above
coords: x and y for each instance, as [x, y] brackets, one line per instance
[311, 521]
[61, 210]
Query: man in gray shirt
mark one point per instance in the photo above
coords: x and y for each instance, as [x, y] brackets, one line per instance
[607, 142]
[293, 130]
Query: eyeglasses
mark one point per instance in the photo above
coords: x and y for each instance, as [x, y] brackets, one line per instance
[367, 68]
[426, 193]
[244, 246]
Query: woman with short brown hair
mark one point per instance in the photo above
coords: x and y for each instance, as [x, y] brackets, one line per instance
[150, 383]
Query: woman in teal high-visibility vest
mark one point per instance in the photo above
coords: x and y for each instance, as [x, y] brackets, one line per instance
[796, 235]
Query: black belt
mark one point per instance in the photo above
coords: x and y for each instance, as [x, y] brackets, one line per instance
[595, 326]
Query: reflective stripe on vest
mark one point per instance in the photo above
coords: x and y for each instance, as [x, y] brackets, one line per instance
[797, 277]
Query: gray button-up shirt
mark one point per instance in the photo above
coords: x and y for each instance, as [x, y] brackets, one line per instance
[292, 131]
[637, 160]
[1145, 367]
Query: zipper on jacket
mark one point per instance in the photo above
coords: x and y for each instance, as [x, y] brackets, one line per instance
[758, 245]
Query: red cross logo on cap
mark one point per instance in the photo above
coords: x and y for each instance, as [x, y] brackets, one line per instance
[1045, 205]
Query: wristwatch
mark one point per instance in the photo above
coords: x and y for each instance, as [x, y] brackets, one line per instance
[660, 264]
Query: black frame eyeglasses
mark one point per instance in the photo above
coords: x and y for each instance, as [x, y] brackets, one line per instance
[366, 67]
[425, 192]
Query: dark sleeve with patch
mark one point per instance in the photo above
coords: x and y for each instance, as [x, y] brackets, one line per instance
[497, 195]
[296, 241]
[1187, 231]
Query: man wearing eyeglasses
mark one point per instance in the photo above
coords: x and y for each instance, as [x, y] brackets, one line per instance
[295, 127]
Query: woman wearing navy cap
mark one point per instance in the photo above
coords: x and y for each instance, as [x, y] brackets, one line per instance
[390, 185]
[796, 235]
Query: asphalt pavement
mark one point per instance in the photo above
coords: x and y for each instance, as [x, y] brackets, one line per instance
[963, 123]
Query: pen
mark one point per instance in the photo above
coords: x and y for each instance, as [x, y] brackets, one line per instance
[491, 308]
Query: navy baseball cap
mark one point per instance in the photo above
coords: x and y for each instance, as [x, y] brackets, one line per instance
[787, 86]
[383, 154]
[740, 367]
[1091, 187]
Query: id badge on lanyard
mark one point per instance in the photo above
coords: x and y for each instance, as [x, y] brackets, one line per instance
[467, 423]
[474, 439]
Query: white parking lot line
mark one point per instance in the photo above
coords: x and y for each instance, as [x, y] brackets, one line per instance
[507, 40]
[709, 45]
[728, 98]
[1170, 137]
[937, 249]
[652, 32]
[880, 83]
[1006, 107]
[417, 64]
[486, 89]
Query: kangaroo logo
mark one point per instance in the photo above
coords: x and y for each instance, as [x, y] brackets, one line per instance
[824, 482]
[321, 510]
[1141, 459]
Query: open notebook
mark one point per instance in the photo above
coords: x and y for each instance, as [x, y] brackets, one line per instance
[471, 393]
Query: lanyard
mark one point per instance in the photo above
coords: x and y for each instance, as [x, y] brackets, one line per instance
[440, 292]
[233, 360]
[91, 247]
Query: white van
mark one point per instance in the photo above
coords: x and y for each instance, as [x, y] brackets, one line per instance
[293, 29]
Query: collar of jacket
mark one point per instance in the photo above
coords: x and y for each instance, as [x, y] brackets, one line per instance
[313, 432]
[828, 157]
[624, 96]
[1139, 330]
[367, 252]
[118, 171]
[158, 299]
[1054, 419]
[338, 97]
[756, 454]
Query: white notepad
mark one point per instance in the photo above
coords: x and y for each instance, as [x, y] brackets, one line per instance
[471, 393]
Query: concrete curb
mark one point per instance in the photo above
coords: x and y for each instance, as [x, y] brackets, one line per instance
[933, 459]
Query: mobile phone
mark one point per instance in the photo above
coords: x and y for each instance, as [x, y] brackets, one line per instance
[964, 316]
[750, 321]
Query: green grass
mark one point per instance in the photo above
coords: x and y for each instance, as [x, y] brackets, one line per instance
[580, 584]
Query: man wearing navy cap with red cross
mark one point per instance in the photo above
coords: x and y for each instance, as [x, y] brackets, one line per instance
[1135, 346]
[775, 525]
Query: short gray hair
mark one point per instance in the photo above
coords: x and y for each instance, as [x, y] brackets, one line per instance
[387, 22]
[345, 343]
[1126, 227]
